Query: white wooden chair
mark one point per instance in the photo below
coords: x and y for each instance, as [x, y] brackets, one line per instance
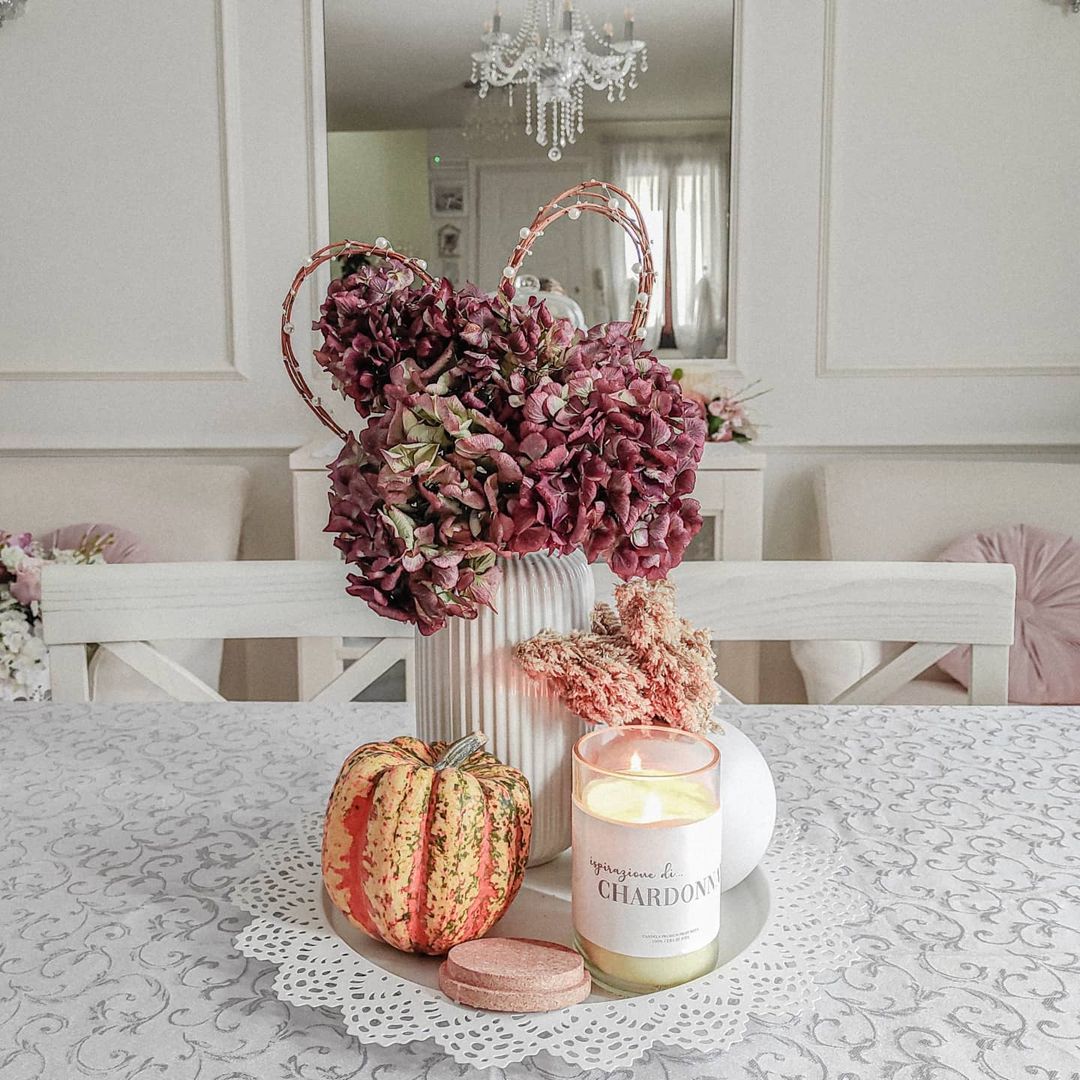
[123, 607]
[897, 507]
[935, 605]
[180, 510]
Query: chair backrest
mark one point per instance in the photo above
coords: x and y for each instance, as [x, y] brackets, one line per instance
[179, 510]
[899, 508]
[935, 605]
[122, 607]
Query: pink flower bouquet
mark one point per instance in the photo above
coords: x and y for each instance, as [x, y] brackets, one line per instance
[24, 671]
[496, 430]
[725, 413]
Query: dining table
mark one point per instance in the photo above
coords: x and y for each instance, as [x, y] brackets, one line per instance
[125, 829]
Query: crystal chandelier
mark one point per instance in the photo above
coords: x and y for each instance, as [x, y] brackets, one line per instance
[10, 9]
[487, 126]
[555, 59]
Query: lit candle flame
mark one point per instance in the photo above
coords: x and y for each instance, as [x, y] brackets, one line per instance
[635, 762]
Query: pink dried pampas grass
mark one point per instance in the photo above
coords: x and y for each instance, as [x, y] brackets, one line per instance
[642, 664]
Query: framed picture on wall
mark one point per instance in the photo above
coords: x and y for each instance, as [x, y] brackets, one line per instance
[449, 242]
[449, 196]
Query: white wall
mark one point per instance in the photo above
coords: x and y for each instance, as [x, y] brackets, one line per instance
[158, 188]
[158, 181]
[379, 187]
[906, 262]
[906, 252]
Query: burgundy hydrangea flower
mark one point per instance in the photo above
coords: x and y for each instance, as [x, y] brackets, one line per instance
[619, 456]
[366, 329]
[495, 429]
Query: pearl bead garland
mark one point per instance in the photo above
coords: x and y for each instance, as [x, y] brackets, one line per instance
[617, 206]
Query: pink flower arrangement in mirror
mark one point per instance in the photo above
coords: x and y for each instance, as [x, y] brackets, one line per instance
[494, 430]
[725, 412]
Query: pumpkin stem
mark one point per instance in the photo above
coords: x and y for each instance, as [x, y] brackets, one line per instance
[459, 752]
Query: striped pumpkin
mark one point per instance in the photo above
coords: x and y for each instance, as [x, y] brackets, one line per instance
[424, 846]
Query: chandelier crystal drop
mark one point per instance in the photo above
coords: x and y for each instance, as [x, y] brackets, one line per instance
[555, 58]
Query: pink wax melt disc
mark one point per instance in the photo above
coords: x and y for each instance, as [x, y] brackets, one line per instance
[514, 975]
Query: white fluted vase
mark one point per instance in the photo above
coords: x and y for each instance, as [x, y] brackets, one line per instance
[467, 678]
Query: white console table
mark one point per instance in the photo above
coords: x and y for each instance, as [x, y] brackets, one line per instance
[730, 488]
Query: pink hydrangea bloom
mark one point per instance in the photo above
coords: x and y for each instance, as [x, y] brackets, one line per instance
[26, 587]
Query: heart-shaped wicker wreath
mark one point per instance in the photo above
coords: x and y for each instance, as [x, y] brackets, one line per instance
[493, 428]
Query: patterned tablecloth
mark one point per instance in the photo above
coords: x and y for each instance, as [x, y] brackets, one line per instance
[124, 829]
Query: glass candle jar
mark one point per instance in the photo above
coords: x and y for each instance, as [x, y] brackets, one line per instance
[646, 856]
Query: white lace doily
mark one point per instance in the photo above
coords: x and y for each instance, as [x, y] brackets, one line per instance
[803, 939]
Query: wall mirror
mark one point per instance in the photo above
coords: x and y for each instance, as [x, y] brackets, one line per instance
[420, 153]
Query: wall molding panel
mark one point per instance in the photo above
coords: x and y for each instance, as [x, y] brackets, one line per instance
[229, 363]
[160, 198]
[835, 358]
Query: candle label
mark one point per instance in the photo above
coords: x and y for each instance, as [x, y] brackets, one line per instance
[649, 892]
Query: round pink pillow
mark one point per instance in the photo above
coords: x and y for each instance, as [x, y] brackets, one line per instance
[1044, 662]
[125, 546]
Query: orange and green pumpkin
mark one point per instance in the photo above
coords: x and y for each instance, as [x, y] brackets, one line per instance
[424, 846]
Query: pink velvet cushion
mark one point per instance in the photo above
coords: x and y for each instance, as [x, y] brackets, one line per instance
[125, 546]
[1044, 662]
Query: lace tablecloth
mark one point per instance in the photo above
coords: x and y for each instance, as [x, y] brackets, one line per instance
[123, 829]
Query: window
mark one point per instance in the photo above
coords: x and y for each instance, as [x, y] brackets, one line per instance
[681, 188]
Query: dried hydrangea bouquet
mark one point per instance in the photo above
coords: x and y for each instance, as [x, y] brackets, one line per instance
[502, 451]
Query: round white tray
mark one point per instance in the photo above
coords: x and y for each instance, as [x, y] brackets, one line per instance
[542, 910]
[782, 928]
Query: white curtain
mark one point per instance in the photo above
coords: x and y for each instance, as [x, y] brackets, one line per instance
[681, 186]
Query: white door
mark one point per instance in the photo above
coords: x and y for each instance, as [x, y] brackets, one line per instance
[507, 197]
